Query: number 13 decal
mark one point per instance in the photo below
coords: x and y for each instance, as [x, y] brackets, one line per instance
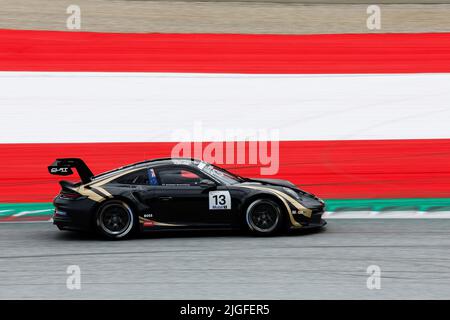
[219, 200]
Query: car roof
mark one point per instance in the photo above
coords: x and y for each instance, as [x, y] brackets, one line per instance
[147, 163]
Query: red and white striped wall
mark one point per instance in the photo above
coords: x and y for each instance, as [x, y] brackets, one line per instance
[359, 116]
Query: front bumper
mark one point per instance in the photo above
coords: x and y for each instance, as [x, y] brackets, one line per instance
[315, 225]
[315, 221]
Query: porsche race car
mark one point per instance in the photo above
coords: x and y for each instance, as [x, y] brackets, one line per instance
[178, 194]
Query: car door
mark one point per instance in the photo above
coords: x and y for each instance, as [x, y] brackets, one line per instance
[183, 199]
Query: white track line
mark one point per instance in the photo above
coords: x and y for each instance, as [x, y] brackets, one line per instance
[23, 213]
[41, 221]
[387, 215]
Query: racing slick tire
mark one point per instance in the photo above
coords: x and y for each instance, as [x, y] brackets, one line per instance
[115, 220]
[264, 217]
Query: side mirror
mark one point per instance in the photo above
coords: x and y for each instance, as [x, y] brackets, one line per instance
[206, 183]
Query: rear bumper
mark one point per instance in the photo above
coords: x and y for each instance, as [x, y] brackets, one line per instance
[66, 224]
[73, 214]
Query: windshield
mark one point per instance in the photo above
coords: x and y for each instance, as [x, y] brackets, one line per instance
[220, 174]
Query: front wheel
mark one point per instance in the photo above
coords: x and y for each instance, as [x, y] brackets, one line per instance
[115, 220]
[264, 217]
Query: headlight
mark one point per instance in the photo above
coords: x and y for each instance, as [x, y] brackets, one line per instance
[291, 193]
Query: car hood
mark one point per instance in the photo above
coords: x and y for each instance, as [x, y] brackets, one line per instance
[306, 199]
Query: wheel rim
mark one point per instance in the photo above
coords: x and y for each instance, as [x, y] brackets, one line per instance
[115, 219]
[263, 216]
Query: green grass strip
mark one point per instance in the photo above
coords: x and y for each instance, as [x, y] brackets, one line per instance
[9, 209]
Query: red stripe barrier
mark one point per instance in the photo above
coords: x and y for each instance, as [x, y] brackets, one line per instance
[332, 169]
[224, 53]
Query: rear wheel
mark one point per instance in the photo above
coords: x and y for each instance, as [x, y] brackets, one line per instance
[115, 220]
[264, 217]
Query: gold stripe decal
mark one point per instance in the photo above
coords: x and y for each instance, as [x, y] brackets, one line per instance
[104, 192]
[89, 193]
[88, 190]
[286, 198]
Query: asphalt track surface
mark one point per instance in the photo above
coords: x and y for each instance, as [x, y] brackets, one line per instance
[264, 17]
[413, 256]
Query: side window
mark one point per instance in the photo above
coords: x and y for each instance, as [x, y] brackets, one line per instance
[136, 177]
[178, 176]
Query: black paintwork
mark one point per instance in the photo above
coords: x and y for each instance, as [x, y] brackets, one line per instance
[177, 207]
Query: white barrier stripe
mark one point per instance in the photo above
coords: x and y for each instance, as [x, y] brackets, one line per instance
[133, 107]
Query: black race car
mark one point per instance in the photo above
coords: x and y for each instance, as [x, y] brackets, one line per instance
[178, 193]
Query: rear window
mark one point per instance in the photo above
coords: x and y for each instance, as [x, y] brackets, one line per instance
[136, 177]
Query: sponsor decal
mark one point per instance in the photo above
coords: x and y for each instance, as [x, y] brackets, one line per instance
[149, 223]
[201, 165]
[219, 200]
[61, 170]
[182, 161]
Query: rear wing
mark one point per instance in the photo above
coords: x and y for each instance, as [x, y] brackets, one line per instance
[63, 167]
